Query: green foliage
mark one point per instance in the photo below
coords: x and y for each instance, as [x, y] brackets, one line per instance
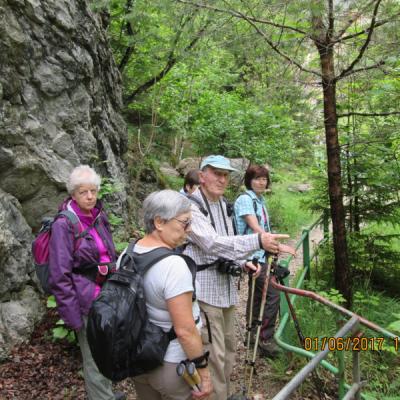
[379, 368]
[61, 331]
[51, 302]
[174, 182]
[287, 212]
[121, 246]
[395, 325]
[334, 296]
[108, 186]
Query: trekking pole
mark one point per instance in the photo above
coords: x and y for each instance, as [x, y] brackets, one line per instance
[294, 317]
[263, 301]
[182, 371]
[250, 326]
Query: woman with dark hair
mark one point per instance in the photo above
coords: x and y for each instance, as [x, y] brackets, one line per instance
[191, 182]
[252, 217]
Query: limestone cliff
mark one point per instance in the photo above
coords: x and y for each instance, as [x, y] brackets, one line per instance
[60, 99]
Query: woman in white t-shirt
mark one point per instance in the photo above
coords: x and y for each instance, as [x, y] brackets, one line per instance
[169, 288]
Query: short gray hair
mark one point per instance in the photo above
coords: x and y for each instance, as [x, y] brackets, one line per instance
[165, 204]
[82, 175]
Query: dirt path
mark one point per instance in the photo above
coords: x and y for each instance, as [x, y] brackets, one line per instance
[316, 235]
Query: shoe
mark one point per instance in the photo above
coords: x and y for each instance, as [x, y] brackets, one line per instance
[119, 396]
[269, 348]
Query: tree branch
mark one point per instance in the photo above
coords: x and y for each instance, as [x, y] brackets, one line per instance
[352, 20]
[240, 15]
[362, 114]
[130, 49]
[171, 61]
[364, 46]
[364, 31]
[355, 71]
[252, 21]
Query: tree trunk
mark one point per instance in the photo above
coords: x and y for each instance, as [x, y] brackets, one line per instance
[342, 273]
[349, 190]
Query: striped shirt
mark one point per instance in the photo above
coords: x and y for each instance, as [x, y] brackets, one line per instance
[207, 244]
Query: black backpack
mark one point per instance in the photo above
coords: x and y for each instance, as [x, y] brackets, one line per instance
[121, 338]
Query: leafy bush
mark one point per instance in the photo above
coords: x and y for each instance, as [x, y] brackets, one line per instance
[61, 331]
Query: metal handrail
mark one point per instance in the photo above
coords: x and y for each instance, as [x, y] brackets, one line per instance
[299, 378]
[353, 391]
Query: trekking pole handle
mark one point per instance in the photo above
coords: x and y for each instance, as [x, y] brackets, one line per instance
[192, 371]
[254, 261]
[181, 371]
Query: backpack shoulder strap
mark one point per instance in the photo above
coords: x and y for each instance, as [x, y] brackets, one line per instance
[127, 258]
[74, 220]
[145, 261]
[254, 202]
[255, 212]
[198, 204]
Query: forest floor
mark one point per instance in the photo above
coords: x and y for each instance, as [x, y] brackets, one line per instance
[43, 369]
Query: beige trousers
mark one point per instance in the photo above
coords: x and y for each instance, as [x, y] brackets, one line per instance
[163, 383]
[223, 346]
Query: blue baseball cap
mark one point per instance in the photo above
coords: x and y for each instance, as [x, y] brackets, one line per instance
[219, 162]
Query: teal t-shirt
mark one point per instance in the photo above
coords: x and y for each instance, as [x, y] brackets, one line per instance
[244, 205]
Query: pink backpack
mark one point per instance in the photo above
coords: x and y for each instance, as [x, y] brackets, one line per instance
[40, 246]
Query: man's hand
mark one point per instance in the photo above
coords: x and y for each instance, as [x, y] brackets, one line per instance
[254, 269]
[284, 248]
[270, 241]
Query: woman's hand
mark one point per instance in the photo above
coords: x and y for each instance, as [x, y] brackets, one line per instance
[205, 385]
[255, 270]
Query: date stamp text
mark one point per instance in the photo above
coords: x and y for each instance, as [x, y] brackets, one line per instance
[347, 343]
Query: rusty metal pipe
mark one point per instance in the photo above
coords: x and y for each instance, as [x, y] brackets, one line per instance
[323, 300]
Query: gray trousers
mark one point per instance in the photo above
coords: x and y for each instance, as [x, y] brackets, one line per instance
[271, 306]
[97, 386]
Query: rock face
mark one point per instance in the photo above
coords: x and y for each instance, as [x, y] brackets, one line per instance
[60, 99]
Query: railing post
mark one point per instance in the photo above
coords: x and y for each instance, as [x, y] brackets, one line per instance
[341, 377]
[341, 365]
[306, 251]
[356, 373]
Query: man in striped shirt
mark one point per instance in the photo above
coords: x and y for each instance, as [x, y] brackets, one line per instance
[210, 240]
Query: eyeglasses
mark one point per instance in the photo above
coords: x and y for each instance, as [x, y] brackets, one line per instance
[185, 224]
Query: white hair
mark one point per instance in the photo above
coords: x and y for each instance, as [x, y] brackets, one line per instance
[82, 175]
[165, 204]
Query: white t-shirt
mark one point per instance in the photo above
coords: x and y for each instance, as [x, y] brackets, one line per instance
[166, 279]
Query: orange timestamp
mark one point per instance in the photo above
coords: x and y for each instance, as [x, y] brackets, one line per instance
[347, 343]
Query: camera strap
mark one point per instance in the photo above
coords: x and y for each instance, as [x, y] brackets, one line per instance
[202, 267]
[211, 215]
